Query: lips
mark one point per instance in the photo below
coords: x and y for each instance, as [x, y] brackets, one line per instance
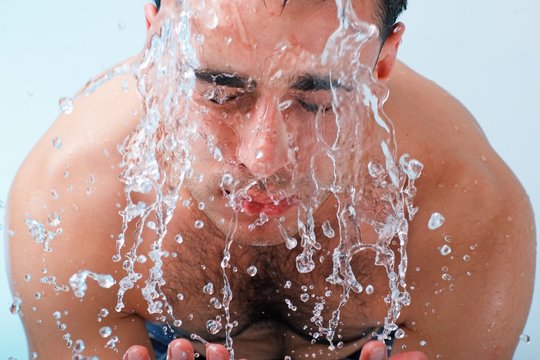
[261, 203]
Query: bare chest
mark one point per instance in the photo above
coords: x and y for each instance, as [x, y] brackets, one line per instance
[269, 297]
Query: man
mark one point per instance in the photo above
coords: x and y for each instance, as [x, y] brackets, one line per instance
[492, 261]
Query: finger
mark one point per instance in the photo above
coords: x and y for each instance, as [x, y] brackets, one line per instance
[374, 350]
[137, 352]
[180, 349]
[411, 355]
[216, 352]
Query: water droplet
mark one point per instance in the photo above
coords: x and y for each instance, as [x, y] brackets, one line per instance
[111, 344]
[259, 154]
[423, 343]
[446, 277]
[208, 288]
[215, 302]
[217, 154]
[400, 334]
[180, 296]
[54, 194]
[56, 142]
[78, 347]
[179, 239]
[213, 326]
[285, 105]
[290, 305]
[227, 179]
[436, 221]
[201, 206]
[66, 105]
[27, 277]
[105, 332]
[445, 250]
[57, 315]
[304, 263]
[213, 19]
[466, 258]
[198, 224]
[103, 313]
[369, 289]
[38, 295]
[252, 270]
[287, 284]
[304, 297]
[54, 219]
[34, 355]
[15, 305]
[177, 323]
[375, 169]
[525, 338]
[411, 167]
[327, 229]
[291, 243]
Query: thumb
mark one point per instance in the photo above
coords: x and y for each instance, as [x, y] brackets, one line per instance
[137, 352]
[374, 350]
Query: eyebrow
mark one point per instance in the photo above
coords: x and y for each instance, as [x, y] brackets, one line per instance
[311, 82]
[304, 82]
[221, 78]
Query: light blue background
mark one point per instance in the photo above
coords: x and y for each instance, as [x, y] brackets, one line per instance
[486, 53]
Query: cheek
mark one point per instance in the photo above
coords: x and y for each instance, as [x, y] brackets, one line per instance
[217, 138]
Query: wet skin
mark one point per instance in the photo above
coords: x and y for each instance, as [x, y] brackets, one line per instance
[488, 216]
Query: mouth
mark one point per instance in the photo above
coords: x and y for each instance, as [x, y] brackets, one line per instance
[256, 203]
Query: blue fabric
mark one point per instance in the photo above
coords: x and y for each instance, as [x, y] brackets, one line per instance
[161, 336]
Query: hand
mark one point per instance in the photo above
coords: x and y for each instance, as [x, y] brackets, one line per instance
[181, 349]
[376, 350]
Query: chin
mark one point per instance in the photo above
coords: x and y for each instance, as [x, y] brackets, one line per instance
[263, 235]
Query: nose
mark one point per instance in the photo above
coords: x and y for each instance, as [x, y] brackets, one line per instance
[264, 142]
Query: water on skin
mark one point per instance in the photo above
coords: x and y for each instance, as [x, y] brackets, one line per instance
[389, 181]
[158, 159]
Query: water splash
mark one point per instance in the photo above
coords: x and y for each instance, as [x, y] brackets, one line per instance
[369, 186]
[77, 281]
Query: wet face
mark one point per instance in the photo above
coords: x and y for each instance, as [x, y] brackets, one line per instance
[264, 106]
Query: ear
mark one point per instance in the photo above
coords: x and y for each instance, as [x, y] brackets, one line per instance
[150, 12]
[388, 53]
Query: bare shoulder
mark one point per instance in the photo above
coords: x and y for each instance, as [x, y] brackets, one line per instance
[63, 212]
[472, 277]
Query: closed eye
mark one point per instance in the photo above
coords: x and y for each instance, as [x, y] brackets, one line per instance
[313, 108]
[220, 97]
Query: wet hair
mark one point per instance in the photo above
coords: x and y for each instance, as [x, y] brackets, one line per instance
[387, 12]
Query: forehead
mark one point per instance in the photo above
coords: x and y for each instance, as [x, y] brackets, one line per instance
[247, 36]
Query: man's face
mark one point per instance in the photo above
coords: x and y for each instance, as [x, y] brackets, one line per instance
[269, 137]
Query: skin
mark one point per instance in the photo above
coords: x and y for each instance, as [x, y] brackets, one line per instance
[487, 214]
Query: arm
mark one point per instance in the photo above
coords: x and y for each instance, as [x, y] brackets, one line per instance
[472, 303]
[88, 219]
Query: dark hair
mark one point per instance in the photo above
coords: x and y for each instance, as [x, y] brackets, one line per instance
[387, 12]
